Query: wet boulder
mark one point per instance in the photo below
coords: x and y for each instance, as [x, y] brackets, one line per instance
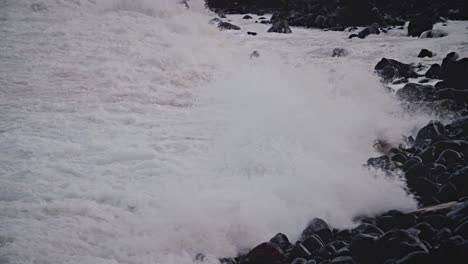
[319, 227]
[363, 248]
[453, 56]
[433, 72]
[280, 26]
[373, 29]
[266, 253]
[398, 243]
[447, 193]
[425, 53]
[281, 240]
[454, 73]
[427, 232]
[227, 26]
[299, 251]
[313, 243]
[391, 69]
[246, 17]
[413, 92]
[429, 132]
[419, 24]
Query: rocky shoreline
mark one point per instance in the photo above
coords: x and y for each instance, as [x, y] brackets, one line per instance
[435, 167]
[340, 14]
[434, 163]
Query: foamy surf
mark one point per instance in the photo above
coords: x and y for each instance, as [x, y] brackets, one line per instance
[136, 132]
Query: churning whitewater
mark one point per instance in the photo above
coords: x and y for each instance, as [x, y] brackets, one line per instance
[137, 132]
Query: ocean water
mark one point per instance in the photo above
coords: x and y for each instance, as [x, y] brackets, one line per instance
[137, 132]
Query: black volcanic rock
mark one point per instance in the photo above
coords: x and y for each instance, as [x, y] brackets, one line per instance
[454, 73]
[266, 253]
[433, 72]
[281, 240]
[390, 69]
[339, 14]
[319, 227]
[425, 53]
[414, 92]
[280, 26]
[419, 24]
[227, 26]
[373, 29]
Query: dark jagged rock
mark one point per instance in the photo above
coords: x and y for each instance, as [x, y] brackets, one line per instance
[398, 243]
[429, 132]
[280, 26]
[430, 235]
[427, 232]
[454, 73]
[227, 26]
[319, 227]
[300, 251]
[425, 53]
[281, 240]
[453, 56]
[373, 29]
[313, 243]
[433, 72]
[363, 248]
[413, 92]
[391, 69]
[419, 24]
[447, 193]
[266, 253]
[341, 14]
[246, 17]
[251, 33]
[328, 251]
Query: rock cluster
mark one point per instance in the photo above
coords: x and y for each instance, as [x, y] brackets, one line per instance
[435, 166]
[430, 236]
[339, 14]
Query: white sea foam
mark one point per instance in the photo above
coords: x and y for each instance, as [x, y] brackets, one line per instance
[136, 132]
